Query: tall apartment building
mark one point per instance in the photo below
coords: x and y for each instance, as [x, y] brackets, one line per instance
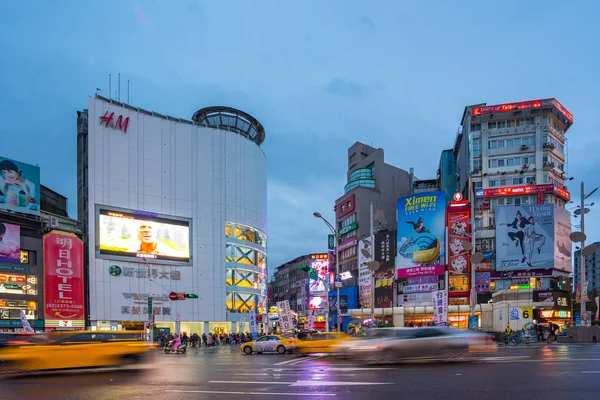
[446, 173]
[592, 269]
[511, 154]
[370, 180]
[291, 283]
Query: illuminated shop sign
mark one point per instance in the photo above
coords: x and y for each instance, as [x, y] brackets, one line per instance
[527, 189]
[520, 106]
[15, 284]
[555, 314]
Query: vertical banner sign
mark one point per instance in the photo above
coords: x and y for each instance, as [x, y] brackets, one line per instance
[364, 275]
[311, 321]
[597, 308]
[330, 242]
[385, 250]
[253, 327]
[285, 316]
[440, 309]
[63, 277]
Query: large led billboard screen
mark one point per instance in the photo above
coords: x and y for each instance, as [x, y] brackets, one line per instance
[132, 235]
[10, 243]
[421, 231]
[19, 187]
[532, 237]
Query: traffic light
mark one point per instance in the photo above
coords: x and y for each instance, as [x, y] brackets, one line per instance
[311, 272]
[191, 296]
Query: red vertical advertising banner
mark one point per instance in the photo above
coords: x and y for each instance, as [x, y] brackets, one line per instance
[459, 259]
[63, 277]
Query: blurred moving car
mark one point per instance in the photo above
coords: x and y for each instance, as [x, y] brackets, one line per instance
[70, 350]
[270, 344]
[321, 342]
[410, 344]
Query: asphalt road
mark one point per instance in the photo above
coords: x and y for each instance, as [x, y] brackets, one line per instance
[512, 372]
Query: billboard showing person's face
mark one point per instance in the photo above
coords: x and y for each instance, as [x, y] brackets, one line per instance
[10, 243]
[421, 230]
[19, 187]
[130, 235]
[525, 237]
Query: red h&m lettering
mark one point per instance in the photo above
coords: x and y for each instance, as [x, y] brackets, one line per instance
[120, 124]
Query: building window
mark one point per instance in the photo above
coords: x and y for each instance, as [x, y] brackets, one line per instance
[475, 127]
[530, 179]
[517, 181]
[458, 283]
[477, 184]
[493, 182]
[347, 221]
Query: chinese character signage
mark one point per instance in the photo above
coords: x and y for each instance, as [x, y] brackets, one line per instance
[482, 281]
[364, 275]
[253, 326]
[385, 249]
[63, 277]
[286, 322]
[440, 307]
[421, 231]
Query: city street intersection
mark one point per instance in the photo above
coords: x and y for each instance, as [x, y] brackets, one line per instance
[515, 372]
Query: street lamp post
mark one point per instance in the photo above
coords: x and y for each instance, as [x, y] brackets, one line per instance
[337, 272]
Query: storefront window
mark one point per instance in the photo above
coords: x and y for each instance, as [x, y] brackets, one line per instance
[459, 283]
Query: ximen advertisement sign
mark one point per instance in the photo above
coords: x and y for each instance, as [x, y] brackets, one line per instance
[19, 187]
[10, 243]
[421, 232]
[128, 235]
[532, 237]
[63, 277]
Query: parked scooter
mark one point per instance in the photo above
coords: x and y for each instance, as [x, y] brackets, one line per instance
[175, 346]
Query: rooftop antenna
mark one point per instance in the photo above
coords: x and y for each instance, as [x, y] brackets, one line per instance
[109, 86]
[119, 88]
[127, 91]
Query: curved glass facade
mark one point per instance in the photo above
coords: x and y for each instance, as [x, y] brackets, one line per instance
[246, 270]
[364, 177]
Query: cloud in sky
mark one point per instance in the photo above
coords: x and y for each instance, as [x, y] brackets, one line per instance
[318, 75]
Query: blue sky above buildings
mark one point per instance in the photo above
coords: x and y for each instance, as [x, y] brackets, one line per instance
[318, 75]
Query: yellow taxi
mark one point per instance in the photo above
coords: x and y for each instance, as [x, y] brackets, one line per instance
[70, 350]
[270, 344]
[321, 342]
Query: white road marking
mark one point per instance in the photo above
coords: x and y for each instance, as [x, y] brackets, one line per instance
[304, 383]
[590, 372]
[254, 393]
[339, 383]
[297, 360]
[254, 382]
[285, 374]
[505, 358]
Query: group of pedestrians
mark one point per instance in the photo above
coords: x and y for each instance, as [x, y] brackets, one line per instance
[210, 340]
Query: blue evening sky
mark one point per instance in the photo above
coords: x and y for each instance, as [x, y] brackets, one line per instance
[319, 75]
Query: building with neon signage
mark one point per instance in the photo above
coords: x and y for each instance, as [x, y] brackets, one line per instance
[172, 205]
[513, 155]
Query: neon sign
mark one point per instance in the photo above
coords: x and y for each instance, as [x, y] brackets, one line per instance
[520, 106]
[527, 189]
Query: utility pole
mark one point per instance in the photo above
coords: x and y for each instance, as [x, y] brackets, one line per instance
[372, 234]
[582, 256]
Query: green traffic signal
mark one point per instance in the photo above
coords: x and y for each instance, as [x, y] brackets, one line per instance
[191, 296]
[305, 268]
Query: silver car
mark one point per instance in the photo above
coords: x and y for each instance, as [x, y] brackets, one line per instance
[387, 345]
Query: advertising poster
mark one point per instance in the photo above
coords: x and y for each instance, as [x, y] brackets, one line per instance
[385, 250]
[19, 187]
[343, 304]
[440, 307]
[63, 277]
[459, 231]
[364, 275]
[320, 263]
[131, 235]
[562, 242]
[482, 281]
[10, 243]
[421, 230]
[525, 237]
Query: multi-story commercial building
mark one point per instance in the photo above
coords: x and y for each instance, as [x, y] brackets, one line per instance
[172, 206]
[28, 211]
[513, 155]
[446, 173]
[370, 180]
[592, 269]
[291, 283]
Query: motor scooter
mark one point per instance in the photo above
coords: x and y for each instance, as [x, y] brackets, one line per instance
[181, 347]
